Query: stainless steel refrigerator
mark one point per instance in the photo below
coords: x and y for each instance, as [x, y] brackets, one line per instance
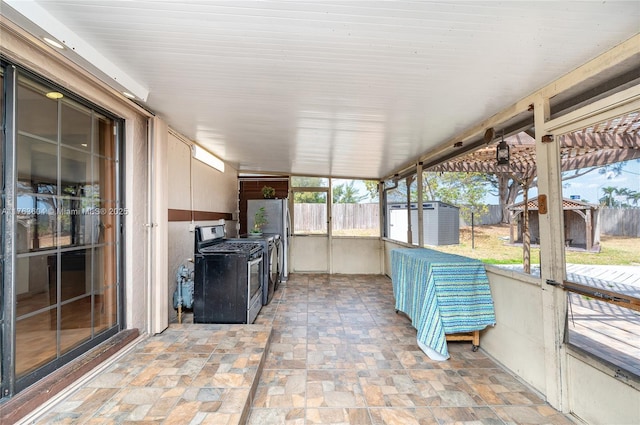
[277, 215]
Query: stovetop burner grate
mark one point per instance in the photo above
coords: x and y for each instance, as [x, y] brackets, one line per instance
[244, 247]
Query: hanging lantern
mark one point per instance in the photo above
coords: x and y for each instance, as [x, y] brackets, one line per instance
[502, 152]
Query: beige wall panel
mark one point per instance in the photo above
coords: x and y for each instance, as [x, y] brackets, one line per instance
[308, 254]
[356, 255]
[213, 190]
[180, 252]
[388, 246]
[179, 174]
[598, 398]
[517, 339]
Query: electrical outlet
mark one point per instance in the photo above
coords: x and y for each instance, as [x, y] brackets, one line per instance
[192, 227]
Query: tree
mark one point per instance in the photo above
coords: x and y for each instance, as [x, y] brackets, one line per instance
[466, 190]
[309, 181]
[372, 189]
[309, 197]
[609, 197]
[611, 194]
[346, 193]
[633, 196]
[399, 193]
[507, 189]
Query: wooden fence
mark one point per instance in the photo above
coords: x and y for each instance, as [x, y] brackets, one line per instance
[313, 218]
[620, 221]
[492, 216]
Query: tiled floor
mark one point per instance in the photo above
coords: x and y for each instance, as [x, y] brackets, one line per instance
[189, 374]
[338, 354]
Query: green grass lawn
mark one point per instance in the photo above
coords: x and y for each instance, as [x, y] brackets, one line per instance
[492, 247]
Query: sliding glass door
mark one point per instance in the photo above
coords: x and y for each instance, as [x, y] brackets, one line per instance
[64, 218]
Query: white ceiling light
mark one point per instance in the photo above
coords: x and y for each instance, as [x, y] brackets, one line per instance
[54, 95]
[205, 156]
[53, 43]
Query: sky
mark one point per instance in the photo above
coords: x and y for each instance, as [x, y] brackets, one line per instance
[589, 187]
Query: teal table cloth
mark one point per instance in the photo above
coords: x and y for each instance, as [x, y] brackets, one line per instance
[442, 294]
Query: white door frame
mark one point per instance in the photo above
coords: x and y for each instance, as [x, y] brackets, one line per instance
[157, 297]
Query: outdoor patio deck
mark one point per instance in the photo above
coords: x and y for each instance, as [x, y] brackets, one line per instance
[601, 328]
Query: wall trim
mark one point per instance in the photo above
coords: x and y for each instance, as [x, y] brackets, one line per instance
[193, 215]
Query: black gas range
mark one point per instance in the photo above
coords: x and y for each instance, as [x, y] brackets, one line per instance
[272, 259]
[228, 278]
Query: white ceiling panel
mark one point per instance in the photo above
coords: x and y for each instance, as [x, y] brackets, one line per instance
[351, 88]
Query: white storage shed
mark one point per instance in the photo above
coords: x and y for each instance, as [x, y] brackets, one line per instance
[441, 222]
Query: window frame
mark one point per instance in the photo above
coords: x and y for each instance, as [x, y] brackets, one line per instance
[378, 203]
[618, 104]
[327, 203]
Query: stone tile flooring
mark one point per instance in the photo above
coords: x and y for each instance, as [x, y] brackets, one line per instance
[189, 374]
[340, 355]
[326, 350]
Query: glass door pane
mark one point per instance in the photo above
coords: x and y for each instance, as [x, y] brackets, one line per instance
[310, 213]
[355, 208]
[66, 244]
[601, 219]
[310, 224]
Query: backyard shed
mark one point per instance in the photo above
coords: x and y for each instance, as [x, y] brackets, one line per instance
[441, 223]
[581, 228]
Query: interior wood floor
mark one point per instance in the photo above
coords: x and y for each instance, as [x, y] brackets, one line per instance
[37, 337]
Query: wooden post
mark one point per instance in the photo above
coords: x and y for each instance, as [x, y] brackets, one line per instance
[526, 237]
[512, 227]
[408, 183]
[420, 181]
[554, 300]
[589, 229]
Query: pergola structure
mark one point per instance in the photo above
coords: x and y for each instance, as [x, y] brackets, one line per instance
[607, 142]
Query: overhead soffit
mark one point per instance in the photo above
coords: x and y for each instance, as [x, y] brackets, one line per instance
[608, 81]
[479, 154]
[347, 89]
